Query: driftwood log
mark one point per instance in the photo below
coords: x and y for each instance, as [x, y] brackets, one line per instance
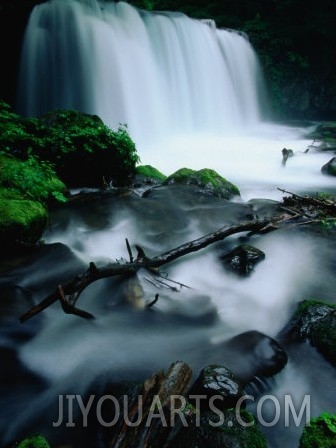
[298, 210]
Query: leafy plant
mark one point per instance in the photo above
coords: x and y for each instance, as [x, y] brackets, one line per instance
[30, 179]
[320, 432]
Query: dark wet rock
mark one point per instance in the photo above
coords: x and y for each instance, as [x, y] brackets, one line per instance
[53, 264]
[286, 154]
[247, 355]
[242, 260]
[216, 381]
[219, 430]
[316, 322]
[330, 167]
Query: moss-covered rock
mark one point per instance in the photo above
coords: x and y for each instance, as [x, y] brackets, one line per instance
[206, 181]
[151, 172]
[315, 321]
[27, 187]
[320, 432]
[148, 175]
[21, 221]
[326, 132]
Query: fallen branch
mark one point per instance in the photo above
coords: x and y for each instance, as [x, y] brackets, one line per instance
[69, 292]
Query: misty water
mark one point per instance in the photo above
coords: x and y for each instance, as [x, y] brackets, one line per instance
[192, 96]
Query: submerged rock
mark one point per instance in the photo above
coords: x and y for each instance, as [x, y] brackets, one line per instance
[242, 259]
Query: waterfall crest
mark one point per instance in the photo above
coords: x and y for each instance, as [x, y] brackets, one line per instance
[158, 72]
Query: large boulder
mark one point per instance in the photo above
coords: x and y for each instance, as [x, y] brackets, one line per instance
[330, 167]
[314, 321]
[205, 181]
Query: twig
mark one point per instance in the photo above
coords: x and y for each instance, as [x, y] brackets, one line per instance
[153, 302]
[129, 250]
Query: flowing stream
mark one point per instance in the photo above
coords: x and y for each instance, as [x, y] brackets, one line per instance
[192, 95]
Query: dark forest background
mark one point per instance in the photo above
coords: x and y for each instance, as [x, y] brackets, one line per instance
[295, 40]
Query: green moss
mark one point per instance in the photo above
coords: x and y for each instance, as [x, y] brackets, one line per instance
[211, 177]
[206, 179]
[320, 432]
[307, 304]
[34, 441]
[182, 175]
[150, 172]
[21, 221]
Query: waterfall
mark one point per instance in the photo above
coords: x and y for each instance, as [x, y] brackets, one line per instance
[160, 73]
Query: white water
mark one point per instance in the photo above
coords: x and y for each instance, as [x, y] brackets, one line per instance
[160, 73]
[191, 96]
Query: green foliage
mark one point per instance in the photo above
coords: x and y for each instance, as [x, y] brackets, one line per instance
[81, 148]
[320, 432]
[30, 179]
[34, 441]
[148, 5]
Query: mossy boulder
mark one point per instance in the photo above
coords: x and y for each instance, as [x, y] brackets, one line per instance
[148, 175]
[206, 181]
[315, 321]
[21, 221]
[320, 432]
[326, 132]
[27, 188]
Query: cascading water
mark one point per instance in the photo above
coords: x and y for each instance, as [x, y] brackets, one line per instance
[157, 72]
[191, 95]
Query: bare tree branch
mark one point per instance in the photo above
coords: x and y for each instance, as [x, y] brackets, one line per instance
[295, 214]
